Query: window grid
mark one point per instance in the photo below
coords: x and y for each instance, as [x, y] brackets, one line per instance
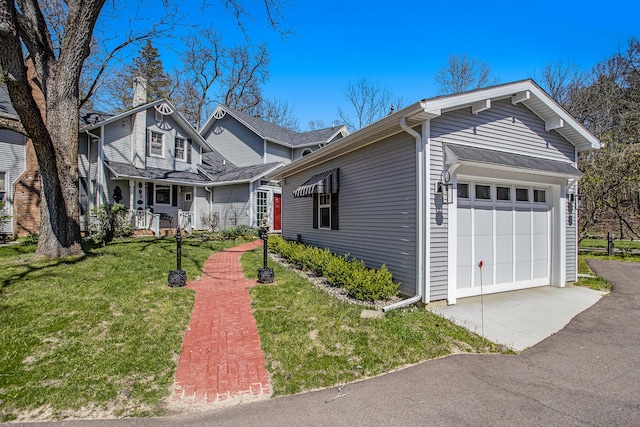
[180, 148]
[156, 146]
[324, 210]
[261, 206]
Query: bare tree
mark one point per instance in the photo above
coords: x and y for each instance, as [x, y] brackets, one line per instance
[58, 56]
[316, 124]
[368, 101]
[241, 86]
[277, 112]
[561, 79]
[464, 73]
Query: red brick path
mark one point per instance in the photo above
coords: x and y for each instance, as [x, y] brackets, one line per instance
[221, 358]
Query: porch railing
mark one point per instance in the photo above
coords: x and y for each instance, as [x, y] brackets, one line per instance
[146, 220]
[186, 220]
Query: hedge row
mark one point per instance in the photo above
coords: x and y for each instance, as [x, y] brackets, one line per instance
[340, 271]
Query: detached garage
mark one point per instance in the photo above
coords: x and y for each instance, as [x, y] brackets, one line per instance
[458, 195]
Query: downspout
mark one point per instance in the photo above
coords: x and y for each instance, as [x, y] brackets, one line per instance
[420, 222]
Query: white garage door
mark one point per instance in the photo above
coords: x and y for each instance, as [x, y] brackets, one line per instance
[506, 227]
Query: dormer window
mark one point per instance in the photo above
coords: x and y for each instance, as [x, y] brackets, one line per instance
[181, 144]
[156, 144]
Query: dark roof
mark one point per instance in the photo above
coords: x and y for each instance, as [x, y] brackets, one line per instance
[89, 116]
[277, 133]
[230, 173]
[481, 155]
[6, 108]
[127, 170]
[216, 160]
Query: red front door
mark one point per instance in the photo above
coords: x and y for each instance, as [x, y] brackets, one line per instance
[277, 212]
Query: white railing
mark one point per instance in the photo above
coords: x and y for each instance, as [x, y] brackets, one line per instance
[146, 220]
[186, 220]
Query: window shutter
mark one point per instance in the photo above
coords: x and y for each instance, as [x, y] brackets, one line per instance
[188, 148]
[315, 211]
[148, 151]
[174, 195]
[150, 194]
[334, 211]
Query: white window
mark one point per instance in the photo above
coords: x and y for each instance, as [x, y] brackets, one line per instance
[187, 197]
[180, 148]
[522, 194]
[539, 196]
[3, 186]
[503, 193]
[483, 192]
[163, 194]
[463, 191]
[324, 210]
[261, 205]
[156, 144]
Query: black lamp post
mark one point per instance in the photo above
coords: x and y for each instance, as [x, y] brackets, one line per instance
[178, 277]
[265, 274]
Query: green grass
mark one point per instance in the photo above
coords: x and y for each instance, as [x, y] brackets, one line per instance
[312, 340]
[93, 336]
[602, 243]
[596, 282]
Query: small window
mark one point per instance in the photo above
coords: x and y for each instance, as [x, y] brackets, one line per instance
[306, 151]
[3, 186]
[163, 195]
[522, 194]
[180, 148]
[539, 196]
[503, 193]
[324, 210]
[463, 191]
[483, 192]
[187, 197]
[156, 144]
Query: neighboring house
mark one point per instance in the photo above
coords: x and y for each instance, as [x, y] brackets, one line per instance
[246, 150]
[13, 165]
[147, 159]
[446, 183]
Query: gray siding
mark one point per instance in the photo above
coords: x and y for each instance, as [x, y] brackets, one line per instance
[236, 142]
[232, 204]
[438, 246]
[278, 153]
[377, 208]
[117, 141]
[504, 127]
[170, 129]
[13, 162]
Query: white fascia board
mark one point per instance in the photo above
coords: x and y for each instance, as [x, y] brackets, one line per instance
[266, 173]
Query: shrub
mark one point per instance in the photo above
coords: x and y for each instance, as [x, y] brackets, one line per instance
[113, 222]
[4, 215]
[362, 283]
[238, 232]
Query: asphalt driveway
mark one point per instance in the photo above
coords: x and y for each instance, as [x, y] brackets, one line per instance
[586, 374]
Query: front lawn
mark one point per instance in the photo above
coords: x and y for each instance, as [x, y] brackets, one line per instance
[96, 336]
[596, 282]
[312, 340]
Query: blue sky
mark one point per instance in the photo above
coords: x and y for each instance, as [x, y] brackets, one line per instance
[403, 44]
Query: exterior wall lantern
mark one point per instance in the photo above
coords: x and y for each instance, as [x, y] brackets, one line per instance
[577, 200]
[444, 188]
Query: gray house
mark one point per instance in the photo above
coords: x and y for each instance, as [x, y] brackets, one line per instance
[247, 148]
[12, 159]
[455, 194]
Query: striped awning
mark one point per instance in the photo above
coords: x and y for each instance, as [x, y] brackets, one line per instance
[325, 182]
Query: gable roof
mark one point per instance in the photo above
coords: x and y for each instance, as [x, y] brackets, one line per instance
[127, 170]
[166, 108]
[525, 92]
[275, 133]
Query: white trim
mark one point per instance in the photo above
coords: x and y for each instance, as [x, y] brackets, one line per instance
[162, 135]
[503, 287]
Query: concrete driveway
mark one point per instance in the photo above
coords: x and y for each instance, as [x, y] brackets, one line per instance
[586, 374]
[521, 319]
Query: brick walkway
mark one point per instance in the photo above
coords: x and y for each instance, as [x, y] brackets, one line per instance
[221, 360]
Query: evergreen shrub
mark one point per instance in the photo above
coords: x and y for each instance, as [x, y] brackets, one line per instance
[362, 283]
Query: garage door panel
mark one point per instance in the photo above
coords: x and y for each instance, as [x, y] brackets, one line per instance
[464, 251]
[504, 222]
[523, 271]
[464, 277]
[504, 273]
[540, 269]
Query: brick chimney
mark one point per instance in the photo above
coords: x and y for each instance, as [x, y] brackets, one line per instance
[139, 91]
